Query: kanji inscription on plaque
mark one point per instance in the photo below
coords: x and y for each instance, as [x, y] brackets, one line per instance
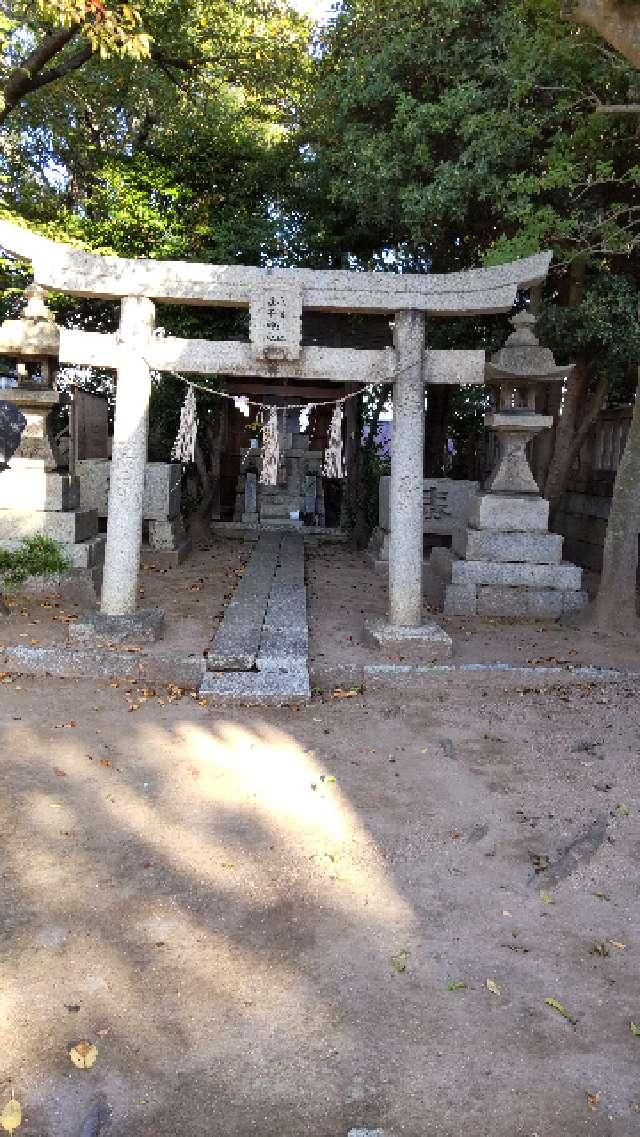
[276, 323]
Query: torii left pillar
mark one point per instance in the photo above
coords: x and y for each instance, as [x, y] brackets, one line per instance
[119, 620]
[405, 635]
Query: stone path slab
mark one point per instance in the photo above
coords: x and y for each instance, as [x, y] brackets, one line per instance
[259, 654]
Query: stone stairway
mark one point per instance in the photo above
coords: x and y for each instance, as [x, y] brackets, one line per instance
[259, 654]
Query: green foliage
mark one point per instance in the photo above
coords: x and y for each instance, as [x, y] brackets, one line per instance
[603, 328]
[37, 556]
[446, 131]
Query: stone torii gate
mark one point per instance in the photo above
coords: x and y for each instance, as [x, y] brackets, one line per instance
[276, 298]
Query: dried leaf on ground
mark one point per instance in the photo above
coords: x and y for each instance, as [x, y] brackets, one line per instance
[344, 693]
[83, 1054]
[11, 1116]
[492, 986]
[399, 961]
[622, 810]
[545, 896]
[600, 949]
[617, 944]
[593, 1101]
[635, 1030]
[562, 1010]
[459, 985]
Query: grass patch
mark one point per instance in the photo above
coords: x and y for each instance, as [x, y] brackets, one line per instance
[37, 556]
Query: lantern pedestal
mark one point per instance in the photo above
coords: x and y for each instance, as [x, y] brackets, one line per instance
[36, 499]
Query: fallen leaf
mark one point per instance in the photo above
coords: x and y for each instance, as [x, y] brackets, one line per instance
[562, 1010]
[593, 1101]
[345, 693]
[546, 897]
[11, 1116]
[58, 772]
[602, 895]
[617, 944]
[635, 1030]
[622, 810]
[492, 986]
[600, 949]
[83, 1054]
[330, 778]
[399, 961]
[459, 985]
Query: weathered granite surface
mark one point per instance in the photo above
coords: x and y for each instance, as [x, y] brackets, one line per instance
[99, 629]
[425, 643]
[65, 526]
[161, 495]
[494, 545]
[76, 272]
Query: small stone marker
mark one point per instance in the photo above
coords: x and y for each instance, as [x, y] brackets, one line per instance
[276, 323]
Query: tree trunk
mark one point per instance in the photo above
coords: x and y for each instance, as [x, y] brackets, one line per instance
[200, 521]
[435, 440]
[615, 604]
[570, 437]
[574, 395]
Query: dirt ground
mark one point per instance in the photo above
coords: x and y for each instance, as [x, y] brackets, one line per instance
[192, 596]
[284, 923]
[343, 591]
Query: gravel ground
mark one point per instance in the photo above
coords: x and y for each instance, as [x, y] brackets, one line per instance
[257, 918]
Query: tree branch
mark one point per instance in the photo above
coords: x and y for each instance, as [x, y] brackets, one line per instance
[617, 22]
[30, 74]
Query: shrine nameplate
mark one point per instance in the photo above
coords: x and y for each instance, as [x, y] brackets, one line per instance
[276, 323]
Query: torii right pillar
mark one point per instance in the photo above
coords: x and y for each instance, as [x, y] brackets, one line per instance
[405, 635]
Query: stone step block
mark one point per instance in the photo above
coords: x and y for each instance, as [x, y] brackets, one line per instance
[66, 527]
[563, 576]
[36, 489]
[495, 545]
[532, 603]
[518, 513]
[280, 687]
[460, 600]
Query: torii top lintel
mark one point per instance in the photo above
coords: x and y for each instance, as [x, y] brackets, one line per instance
[476, 291]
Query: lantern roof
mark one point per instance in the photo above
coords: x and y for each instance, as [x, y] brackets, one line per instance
[523, 358]
[35, 335]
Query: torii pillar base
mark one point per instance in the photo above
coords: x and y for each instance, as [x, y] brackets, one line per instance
[418, 643]
[96, 629]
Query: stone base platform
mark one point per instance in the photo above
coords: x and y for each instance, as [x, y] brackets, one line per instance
[96, 629]
[276, 687]
[427, 643]
[251, 532]
[522, 589]
[166, 558]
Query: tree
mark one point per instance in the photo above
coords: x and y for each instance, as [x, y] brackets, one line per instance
[617, 21]
[445, 133]
[179, 149]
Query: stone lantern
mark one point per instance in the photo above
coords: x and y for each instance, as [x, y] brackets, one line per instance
[515, 372]
[506, 562]
[34, 342]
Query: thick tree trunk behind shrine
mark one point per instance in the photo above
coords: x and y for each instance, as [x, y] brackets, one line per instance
[360, 486]
[615, 604]
[579, 413]
[207, 462]
[580, 407]
[436, 429]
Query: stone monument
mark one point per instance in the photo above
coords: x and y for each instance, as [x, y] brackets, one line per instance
[506, 563]
[36, 497]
